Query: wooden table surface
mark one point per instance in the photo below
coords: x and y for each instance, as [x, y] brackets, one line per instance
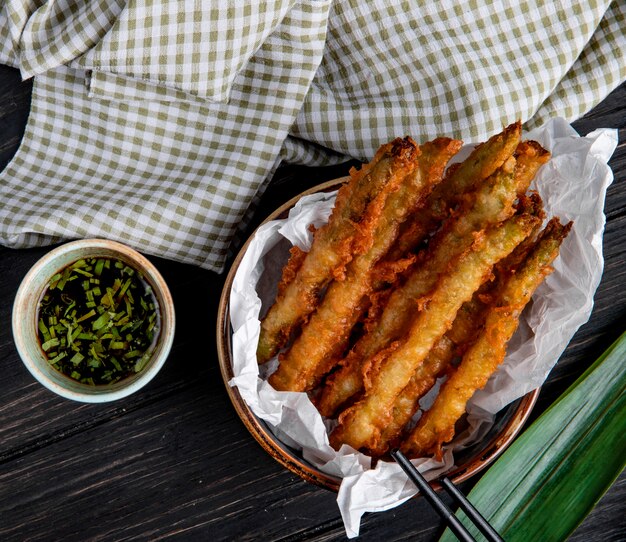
[174, 460]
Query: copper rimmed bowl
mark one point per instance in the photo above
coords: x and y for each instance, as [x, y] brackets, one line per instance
[469, 462]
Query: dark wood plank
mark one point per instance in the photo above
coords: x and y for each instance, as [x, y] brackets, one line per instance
[173, 460]
[51, 417]
[14, 107]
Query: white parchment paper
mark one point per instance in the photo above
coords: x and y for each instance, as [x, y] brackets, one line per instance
[573, 187]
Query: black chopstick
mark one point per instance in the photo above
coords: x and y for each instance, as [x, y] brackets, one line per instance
[442, 509]
[474, 515]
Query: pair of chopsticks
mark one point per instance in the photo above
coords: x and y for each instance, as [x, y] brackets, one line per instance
[442, 509]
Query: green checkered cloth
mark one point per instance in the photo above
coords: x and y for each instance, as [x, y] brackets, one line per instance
[159, 123]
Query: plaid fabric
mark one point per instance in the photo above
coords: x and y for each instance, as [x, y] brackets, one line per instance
[199, 50]
[170, 177]
[463, 69]
[158, 123]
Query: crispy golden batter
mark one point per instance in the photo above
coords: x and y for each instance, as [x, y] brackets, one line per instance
[460, 179]
[327, 332]
[491, 203]
[361, 425]
[335, 243]
[296, 257]
[436, 426]
[466, 325]
[530, 156]
[406, 403]
[468, 322]
[414, 270]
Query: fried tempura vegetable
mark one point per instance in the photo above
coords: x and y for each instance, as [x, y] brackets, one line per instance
[406, 403]
[468, 321]
[387, 374]
[411, 273]
[334, 244]
[529, 156]
[491, 203]
[460, 179]
[326, 334]
[436, 426]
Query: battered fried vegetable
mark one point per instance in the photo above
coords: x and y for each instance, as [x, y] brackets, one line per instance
[361, 425]
[407, 402]
[469, 321]
[436, 426]
[327, 332]
[466, 325]
[461, 178]
[530, 156]
[491, 203]
[296, 257]
[335, 243]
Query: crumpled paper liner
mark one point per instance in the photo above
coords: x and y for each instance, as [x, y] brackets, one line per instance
[573, 187]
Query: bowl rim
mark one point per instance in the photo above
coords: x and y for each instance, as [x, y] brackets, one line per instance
[96, 394]
[281, 452]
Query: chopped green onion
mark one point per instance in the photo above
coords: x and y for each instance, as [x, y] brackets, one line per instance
[77, 358]
[76, 333]
[102, 321]
[141, 363]
[98, 268]
[57, 358]
[101, 291]
[64, 278]
[85, 316]
[49, 344]
[83, 272]
[91, 314]
[54, 281]
[43, 329]
[132, 354]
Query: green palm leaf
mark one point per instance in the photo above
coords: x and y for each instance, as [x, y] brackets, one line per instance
[552, 476]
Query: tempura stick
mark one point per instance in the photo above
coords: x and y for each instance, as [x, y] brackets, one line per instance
[469, 321]
[466, 325]
[491, 203]
[407, 402]
[484, 160]
[334, 244]
[326, 334]
[529, 156]
[360, 425]
[436, 426]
